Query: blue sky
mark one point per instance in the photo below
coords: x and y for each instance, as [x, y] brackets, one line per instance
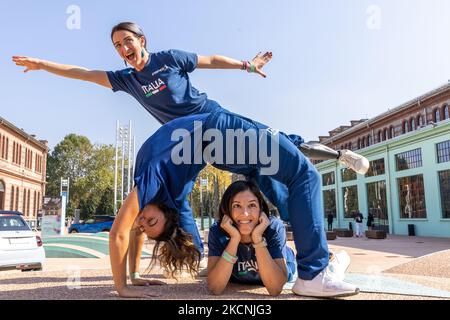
[333, 60]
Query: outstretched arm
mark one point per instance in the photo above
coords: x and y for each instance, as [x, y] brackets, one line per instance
[222, 62]
[64, 70]
[119, 241]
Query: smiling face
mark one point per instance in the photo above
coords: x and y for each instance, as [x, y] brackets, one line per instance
[129, 47]
[151, 221]
[245, 212]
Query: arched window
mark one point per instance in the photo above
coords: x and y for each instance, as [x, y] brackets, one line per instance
[342, 147]
[385, 134]
[437, 115]
[24, 202]
[412, 124]
[391, 132]
[369, 140]
[11, 205]
[445, 112]
[379, 136]
[405, 127]
[420, 121]
[363, 142]
[2, 195]
[359, 143]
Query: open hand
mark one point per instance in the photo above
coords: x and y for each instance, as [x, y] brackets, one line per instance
[27, 62]
[259, 61]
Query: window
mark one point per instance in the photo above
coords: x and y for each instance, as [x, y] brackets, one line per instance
[385, 134]
[412, 124]
[377, 204]
[328, 179]
[444, 183]
[2, 147]
[392, 132]
[12, 223]
[405, 127]
[17, 153]
[379, 136]
[350, 197]
[437, 115]
[329, 202]
[11, 205]
[443, 151]
[409, 160]
[28, 202]
[34, 202]
[359, 143]
[419, 121]
[28, 158]
[38, 164]
[2, 195]
[24, 209]
[17, 199]
[445, 113]
[369, 140]
[363, 142]
[376, 168]
[348, 175]
[411, 193]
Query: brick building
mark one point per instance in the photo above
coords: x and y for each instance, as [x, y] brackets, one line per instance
[23, 161]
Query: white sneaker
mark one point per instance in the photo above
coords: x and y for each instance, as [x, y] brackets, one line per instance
[354, 161]
[324, 285]
[339, 264]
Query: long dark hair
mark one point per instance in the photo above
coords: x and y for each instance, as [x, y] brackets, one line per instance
[131, 27]
[237, 187]
[174, 247]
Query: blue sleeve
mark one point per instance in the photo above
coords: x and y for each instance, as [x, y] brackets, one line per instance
[118, 80]
[276, 238]
[147, 186]
[183, 60]
[215, 246]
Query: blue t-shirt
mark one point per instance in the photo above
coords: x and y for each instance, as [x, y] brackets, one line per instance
[245, 270]
[163, 87]
[157, 178]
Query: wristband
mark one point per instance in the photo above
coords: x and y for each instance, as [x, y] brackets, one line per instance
[229, 258]
[135, 275]
[252, 68]
[263, 243]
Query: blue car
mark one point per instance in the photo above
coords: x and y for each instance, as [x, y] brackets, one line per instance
[97, 224]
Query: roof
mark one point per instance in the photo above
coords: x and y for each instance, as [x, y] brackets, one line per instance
[25, 135]
[408, 104]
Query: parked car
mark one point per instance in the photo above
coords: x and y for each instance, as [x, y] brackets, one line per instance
[20, 247]
[97, 224]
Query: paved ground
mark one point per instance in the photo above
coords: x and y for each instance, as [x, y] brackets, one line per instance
[89, 278]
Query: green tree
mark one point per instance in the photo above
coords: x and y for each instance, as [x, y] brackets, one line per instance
[91, 172]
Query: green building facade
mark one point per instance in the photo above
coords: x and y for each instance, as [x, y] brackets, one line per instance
[406, 188]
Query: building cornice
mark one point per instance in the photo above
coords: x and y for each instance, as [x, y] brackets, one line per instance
[369, 123]
[21, 176]
[23, 134]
